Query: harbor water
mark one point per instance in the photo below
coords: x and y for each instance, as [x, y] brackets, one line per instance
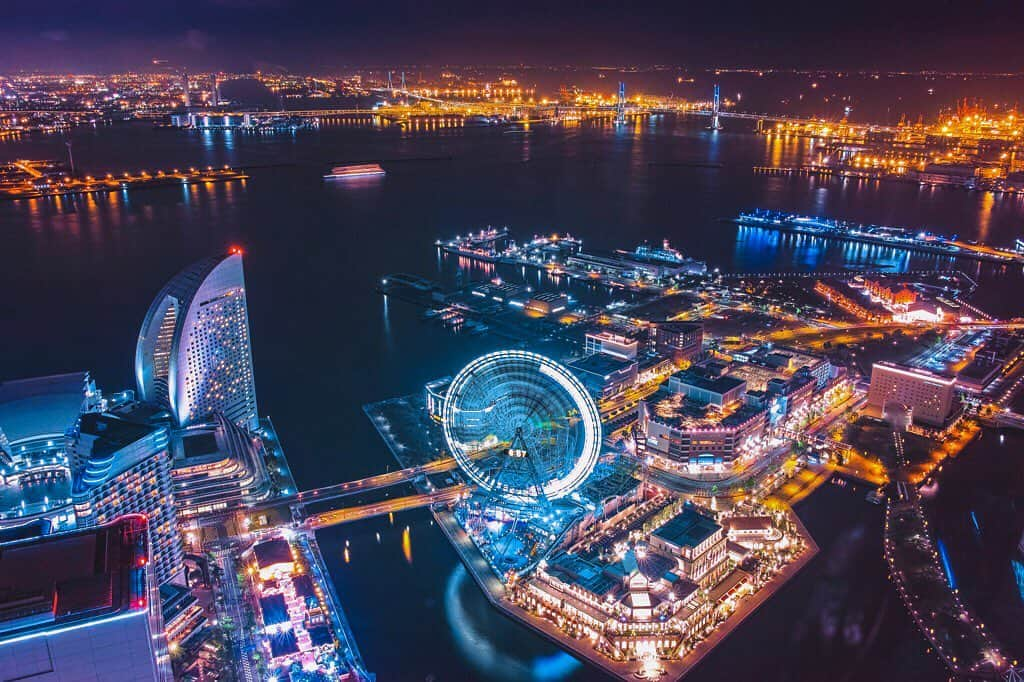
[78, 275]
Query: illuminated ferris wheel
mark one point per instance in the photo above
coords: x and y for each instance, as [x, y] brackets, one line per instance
[521, 426]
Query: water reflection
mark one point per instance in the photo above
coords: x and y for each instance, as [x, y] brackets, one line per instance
[488, 656]
[407, 545]
[758, 250]
[988, 200]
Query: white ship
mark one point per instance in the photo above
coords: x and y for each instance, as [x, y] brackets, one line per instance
[356, 170]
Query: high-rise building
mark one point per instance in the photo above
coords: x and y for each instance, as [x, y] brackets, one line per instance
[121, 467]
[218, 467]
[897, 391]
[194, 355]
[79, 606]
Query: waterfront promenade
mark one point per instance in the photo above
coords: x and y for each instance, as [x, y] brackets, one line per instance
[956, 635]
[496, 593]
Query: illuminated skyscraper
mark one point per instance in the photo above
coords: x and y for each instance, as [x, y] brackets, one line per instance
[122, 467]
[193, 355]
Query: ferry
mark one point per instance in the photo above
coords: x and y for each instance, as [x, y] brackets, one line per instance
[355, 170]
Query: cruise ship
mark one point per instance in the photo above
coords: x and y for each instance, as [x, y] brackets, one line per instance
[356, 170]
[666, 254]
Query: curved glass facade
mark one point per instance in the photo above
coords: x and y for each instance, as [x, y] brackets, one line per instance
[193, 355]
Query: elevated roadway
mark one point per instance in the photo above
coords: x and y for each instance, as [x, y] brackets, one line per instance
[368, 511]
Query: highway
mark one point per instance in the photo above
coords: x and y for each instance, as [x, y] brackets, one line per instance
[368, 511]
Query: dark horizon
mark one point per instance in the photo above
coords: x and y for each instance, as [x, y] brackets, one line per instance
[298, 35]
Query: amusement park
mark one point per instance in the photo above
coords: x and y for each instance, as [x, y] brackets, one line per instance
[565, 529]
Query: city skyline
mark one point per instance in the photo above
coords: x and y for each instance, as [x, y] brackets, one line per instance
[605, 341]
[248, 35]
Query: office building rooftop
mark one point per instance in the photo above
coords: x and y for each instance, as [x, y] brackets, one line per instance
[601, 364]
[68, 578]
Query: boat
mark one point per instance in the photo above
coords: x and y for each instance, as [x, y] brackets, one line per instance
[666, 254]
[468, 121]
[355, 170]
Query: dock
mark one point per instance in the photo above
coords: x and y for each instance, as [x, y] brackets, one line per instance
[878, 235]
[39, 185]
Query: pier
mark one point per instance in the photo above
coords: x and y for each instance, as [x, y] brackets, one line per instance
[892, 237]
[38, 185]
[916, 567]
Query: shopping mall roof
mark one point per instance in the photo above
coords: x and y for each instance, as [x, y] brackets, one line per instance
[601, 364]
[283, 644]
[675, 411]
[688, 529]
[272, 552]
[721, 385]
[274, 609]
[41, 406]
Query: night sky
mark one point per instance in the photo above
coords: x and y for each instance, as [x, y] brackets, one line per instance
[100, 35]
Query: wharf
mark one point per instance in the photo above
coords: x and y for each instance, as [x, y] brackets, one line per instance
[895, 238]
[342, 630]
[916, 567]
[39, 189]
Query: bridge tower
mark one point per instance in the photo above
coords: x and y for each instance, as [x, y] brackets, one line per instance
[188, 95]
[715, 107]
[390, 85]
[620, 106]
[403, 81]
[71, 157]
